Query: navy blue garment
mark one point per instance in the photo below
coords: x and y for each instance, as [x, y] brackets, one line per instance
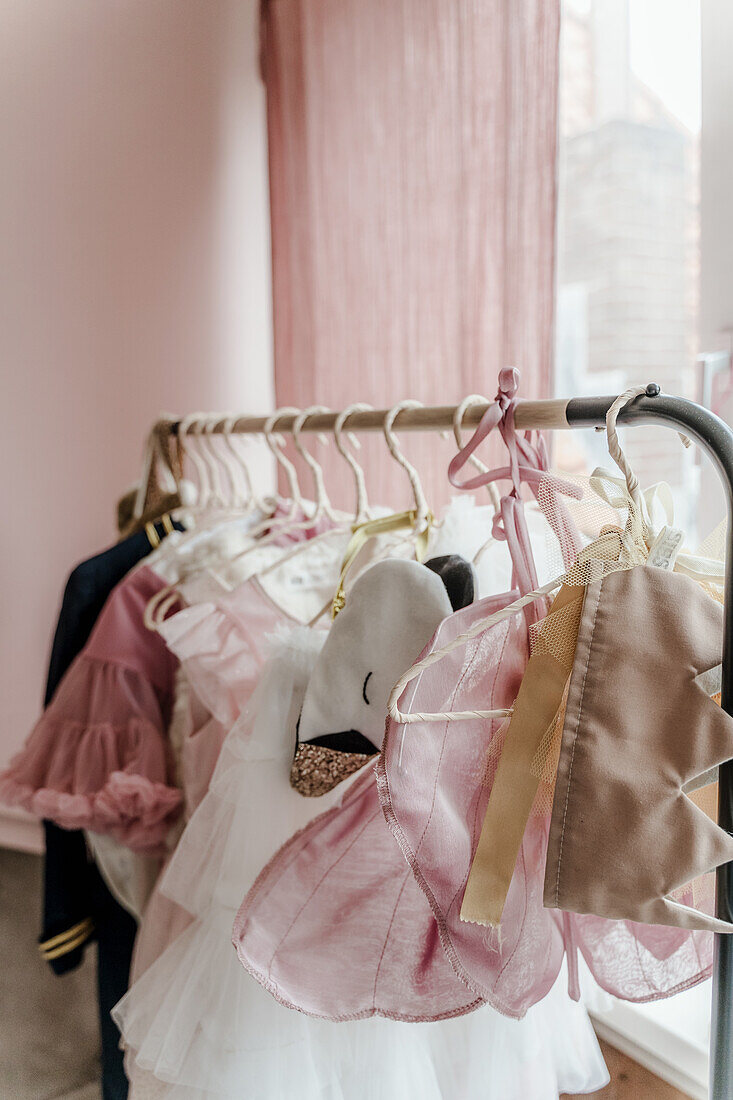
[77, 906]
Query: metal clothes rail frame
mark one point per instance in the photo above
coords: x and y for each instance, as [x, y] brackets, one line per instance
[716, 439]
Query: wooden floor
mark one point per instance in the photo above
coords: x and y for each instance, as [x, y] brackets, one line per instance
[630, 1081]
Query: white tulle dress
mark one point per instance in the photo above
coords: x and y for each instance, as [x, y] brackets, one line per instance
[197, 1026]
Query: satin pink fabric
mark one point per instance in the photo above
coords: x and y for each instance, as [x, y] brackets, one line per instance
[98, 758]
[434, 784]
[336, 926]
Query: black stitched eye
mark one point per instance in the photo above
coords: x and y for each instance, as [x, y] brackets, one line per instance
[363, 690]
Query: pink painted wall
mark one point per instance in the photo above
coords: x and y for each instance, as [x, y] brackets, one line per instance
[135, 276]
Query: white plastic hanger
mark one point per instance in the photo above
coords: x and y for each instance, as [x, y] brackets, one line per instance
[323, 506]
[362, 512]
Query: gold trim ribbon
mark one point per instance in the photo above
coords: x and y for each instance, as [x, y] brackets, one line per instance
[67, 941]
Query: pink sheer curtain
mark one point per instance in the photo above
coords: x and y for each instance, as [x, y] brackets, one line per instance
[412, 173]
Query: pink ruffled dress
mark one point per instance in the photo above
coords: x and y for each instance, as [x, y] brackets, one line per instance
[98, 758]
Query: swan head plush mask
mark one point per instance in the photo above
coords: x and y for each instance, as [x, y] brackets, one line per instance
[390, 615]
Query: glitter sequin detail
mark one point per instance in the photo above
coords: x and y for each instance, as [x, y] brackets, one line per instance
[316, 770]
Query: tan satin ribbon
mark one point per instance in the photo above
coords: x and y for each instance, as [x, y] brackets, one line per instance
[515, 786]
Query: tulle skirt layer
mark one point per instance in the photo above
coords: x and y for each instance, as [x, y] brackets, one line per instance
[199, 1023]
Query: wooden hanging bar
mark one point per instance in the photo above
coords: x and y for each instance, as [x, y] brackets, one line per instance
[528, 414]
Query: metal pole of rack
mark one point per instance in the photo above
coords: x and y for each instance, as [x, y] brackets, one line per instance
[716, 439]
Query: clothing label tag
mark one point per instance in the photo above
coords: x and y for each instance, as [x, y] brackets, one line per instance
[314, 578]
[665, 548]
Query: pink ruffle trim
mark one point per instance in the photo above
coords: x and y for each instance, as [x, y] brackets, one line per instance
[129, 808]
[108, 779]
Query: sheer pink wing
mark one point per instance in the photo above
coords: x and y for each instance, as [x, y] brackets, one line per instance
[641, 962]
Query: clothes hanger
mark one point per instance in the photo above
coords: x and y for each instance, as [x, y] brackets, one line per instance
[202, 432]
[417, 521]
[323, 507]
[476, 399]
[273, 527]
[597, 551]
[220, 449]
[159, 490]
[210, 490]
[528, 464]
[422, 516]
[270, 529]
[195, 460]
[236, 464]
[362, 512]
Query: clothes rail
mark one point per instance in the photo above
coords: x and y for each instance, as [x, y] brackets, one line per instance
[715, 438]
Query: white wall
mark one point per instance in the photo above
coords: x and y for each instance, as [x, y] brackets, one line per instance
[135, 274]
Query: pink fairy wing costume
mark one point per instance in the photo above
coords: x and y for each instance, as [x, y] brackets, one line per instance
[434, 783]
[98, 757]
[336, 926]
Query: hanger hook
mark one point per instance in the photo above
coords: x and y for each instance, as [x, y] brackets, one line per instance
[236, 463]
[616, 451]
[323, 504]
[212, 459]
[149, 460]
[225, 457]
[362, 512]
[474, 399]
[421, 504]
[275, 443]
[184, 427]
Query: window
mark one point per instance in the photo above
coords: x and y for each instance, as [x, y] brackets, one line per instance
[628, 312]
[629, 221]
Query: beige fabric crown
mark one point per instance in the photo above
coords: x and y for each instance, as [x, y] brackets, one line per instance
[638, 728]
